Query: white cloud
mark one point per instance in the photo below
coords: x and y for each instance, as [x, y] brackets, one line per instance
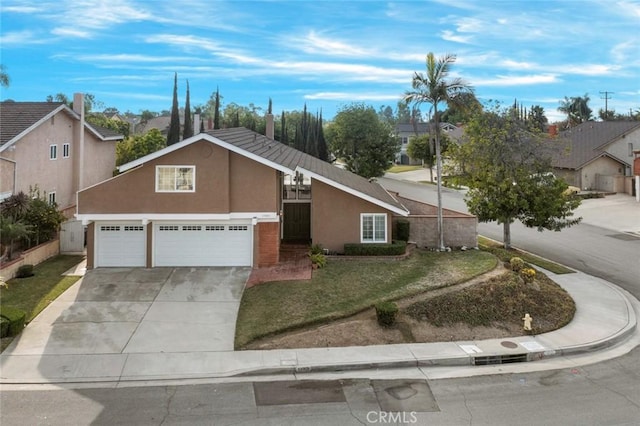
[20, 38]
[314, 43]
[524, 80]
[351, 96]
[71, 32]
[451, 36]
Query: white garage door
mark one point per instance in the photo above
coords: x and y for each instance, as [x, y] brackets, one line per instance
[179, 244]
[120, 244]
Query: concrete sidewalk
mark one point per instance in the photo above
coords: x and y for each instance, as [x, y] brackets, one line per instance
[605, 317]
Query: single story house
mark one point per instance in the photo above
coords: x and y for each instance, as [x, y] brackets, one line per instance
[229, 197]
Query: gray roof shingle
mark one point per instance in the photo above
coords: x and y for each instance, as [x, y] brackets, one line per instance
[587, 141]
[16, 117]
[291, 158]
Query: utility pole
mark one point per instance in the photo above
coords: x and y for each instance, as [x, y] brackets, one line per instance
[606, 104]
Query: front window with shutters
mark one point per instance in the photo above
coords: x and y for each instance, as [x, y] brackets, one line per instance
[373, 228]
[175, 178]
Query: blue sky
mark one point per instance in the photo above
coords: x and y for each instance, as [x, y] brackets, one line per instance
[325, 54]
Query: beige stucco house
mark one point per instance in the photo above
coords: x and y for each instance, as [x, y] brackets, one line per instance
[49, 146]
[598, 155]
[229, 197]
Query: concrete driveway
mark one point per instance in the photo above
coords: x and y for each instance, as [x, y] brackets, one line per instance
[131, 310]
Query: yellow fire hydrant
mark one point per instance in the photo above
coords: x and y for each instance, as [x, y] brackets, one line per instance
[527, 322]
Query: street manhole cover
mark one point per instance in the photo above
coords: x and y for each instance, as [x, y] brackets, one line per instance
[510, 345]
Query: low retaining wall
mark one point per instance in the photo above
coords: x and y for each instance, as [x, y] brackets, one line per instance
[33, 256]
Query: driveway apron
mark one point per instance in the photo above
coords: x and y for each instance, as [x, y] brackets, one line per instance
[134, 310]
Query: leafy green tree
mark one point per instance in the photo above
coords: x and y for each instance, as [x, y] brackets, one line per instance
[434, 88]
[422, 148]
[509, 176]
[137, 146]
[44, 220]
[536, 119]
[15, 206]
[365, 143]
[463, 110]
[102, 120]
[173, 136]
[4, 77]
[187, 132]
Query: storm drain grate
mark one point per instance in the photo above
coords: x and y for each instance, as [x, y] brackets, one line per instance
[499, 359]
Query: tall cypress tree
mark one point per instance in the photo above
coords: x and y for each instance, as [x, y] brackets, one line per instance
[323, 150]
[187, 131]
[216, 112]
[174, 126]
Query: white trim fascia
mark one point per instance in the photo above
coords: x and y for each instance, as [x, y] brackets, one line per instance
[207, 137]
[353, 192]
[603, 154]
[248, 216]
[36, 124]
[100, 136]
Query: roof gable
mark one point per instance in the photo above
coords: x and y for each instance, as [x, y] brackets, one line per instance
[586, 142]
[287, 160]
[17, 119]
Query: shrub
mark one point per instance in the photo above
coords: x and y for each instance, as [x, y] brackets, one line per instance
[516, 264]
[318, 259]
[386, 313]
[15, 319]
[316, 249]
[394, 249]
[24, 271]
[402, 230]
[528, 275]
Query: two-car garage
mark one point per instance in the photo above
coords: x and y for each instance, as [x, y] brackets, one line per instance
[124, 244]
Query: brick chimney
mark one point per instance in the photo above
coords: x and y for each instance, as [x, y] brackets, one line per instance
[553, 130]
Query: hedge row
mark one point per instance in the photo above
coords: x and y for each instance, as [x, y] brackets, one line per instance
[11, 321]
[394, 249]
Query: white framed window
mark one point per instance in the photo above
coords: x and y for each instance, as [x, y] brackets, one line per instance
[65, 150]
[52, 198]
[53, 152]
[175, 178]
[373, 228]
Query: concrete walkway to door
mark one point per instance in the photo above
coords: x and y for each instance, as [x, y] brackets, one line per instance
[113, 313]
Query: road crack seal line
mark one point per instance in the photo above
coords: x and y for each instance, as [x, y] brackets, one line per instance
[172, 390]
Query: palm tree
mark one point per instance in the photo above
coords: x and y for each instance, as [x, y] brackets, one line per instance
[576, 108]
[12, 230]
[433, 88]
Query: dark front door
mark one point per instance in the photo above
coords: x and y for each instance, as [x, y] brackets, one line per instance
[297, 222]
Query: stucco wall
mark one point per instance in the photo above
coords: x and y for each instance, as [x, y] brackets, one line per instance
[335, 217]
[33, 256]
[620, 149]
[603, 166]
[250, 185]
[35, 168]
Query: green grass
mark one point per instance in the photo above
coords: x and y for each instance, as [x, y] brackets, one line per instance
[501, 299]
[344, 288]
[399, 168]
[33, 294]
[504, 255]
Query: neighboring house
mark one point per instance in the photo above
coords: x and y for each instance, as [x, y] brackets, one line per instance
[229, 197]
[598, 155]
[404, 132]
[49, 146]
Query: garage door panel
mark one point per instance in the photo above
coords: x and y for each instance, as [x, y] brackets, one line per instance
[202, 245]
[121, 245]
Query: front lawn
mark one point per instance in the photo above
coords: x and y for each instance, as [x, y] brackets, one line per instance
[33, 294]
[399, 168]
[344, 288]
[503, 254]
